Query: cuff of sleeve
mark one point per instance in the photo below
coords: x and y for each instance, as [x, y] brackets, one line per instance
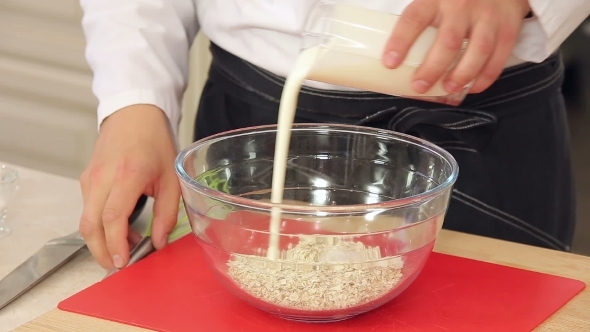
[549, 18]
[551, 25]
[168, 104]
[532, 44]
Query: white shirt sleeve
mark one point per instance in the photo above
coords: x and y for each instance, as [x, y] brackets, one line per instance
[138, 51]
[553, 22]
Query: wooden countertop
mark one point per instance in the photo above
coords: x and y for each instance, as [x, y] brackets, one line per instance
[574, 316]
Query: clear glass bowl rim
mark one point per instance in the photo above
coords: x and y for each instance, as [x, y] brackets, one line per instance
[298, 209]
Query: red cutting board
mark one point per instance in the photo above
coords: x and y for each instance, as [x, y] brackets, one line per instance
[172, 290]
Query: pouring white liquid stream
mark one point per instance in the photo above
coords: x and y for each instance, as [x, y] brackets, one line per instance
[338, 63]
[287, 108]
[305, 67]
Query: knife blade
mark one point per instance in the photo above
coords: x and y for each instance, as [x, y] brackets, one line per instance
[53, 255]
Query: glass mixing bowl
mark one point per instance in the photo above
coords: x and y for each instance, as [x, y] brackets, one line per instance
[361, 212]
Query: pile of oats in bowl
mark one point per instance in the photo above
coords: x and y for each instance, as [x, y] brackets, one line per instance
[319, 273]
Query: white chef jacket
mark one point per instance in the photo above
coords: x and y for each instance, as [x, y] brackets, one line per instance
[139, 49]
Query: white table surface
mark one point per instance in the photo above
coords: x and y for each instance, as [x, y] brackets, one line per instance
[44, 207]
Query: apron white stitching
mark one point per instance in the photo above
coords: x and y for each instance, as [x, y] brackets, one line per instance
[493, 211]
[522, 92]
[508, 222]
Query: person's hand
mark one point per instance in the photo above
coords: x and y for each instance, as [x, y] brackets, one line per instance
[492, 27]
[134, 155]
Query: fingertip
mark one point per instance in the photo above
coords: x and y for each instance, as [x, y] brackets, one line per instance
[479, 87]
[451, 86]
[421, 86]
[165, 212]
[94, 237]
[483, 82]
[117, 235]
[101, 255]
[160, 232]
[118, 262]
[161, 229]
[162, 241]
[392, 59]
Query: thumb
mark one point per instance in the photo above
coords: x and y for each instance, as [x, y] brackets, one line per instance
[166, 202]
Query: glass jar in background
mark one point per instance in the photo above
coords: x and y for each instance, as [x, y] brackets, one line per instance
[8, 183]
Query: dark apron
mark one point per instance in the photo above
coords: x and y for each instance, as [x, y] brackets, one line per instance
[511, 141]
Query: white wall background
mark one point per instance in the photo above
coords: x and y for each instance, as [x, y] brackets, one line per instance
[47, 110]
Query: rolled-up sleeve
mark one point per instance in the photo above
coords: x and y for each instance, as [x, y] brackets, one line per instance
[138, 51]
[551, 25]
